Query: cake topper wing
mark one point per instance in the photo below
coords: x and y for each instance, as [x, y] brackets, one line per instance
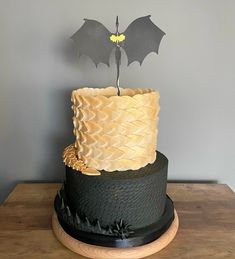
[92, 39]
[142, 36]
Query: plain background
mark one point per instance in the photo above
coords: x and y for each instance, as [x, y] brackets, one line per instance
[194, 72]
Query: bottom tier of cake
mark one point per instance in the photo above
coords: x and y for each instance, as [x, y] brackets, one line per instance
[118, 209]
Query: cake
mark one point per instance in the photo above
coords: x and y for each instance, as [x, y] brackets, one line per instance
[113, 203]
[114, 194]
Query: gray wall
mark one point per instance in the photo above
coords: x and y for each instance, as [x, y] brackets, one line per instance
[194, 74]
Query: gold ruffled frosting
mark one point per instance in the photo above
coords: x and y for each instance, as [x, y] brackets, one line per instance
[114, 132]
[71, 160]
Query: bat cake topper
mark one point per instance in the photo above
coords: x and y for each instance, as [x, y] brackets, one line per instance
[140, 38]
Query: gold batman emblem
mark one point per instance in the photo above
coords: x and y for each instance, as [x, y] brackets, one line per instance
[117, 38]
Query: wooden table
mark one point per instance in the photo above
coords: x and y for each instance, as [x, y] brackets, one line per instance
[206, 213]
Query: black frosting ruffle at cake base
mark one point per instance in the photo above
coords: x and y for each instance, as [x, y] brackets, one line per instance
[138, 237]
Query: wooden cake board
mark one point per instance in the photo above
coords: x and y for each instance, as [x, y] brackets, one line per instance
[101, 252]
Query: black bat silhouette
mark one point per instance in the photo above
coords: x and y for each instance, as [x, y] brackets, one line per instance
[140, 38]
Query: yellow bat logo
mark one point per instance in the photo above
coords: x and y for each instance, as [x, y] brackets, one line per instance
[117, 38]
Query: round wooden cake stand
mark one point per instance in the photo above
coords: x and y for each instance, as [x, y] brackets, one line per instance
[100, 252]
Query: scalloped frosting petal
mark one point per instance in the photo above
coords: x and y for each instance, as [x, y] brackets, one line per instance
[70, 159]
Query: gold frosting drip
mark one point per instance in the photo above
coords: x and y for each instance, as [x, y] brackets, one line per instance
[70, 159]
[115, 132]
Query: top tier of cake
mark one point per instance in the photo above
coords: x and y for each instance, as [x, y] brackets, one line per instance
[115, 132]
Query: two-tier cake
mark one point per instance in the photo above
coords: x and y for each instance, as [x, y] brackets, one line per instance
[114, 194]
[113, 203]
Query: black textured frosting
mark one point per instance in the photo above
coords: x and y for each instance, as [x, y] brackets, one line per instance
[75, 223]
[122, 205]
[136, 196]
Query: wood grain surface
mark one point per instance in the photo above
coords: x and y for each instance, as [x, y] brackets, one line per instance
[206, 213]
